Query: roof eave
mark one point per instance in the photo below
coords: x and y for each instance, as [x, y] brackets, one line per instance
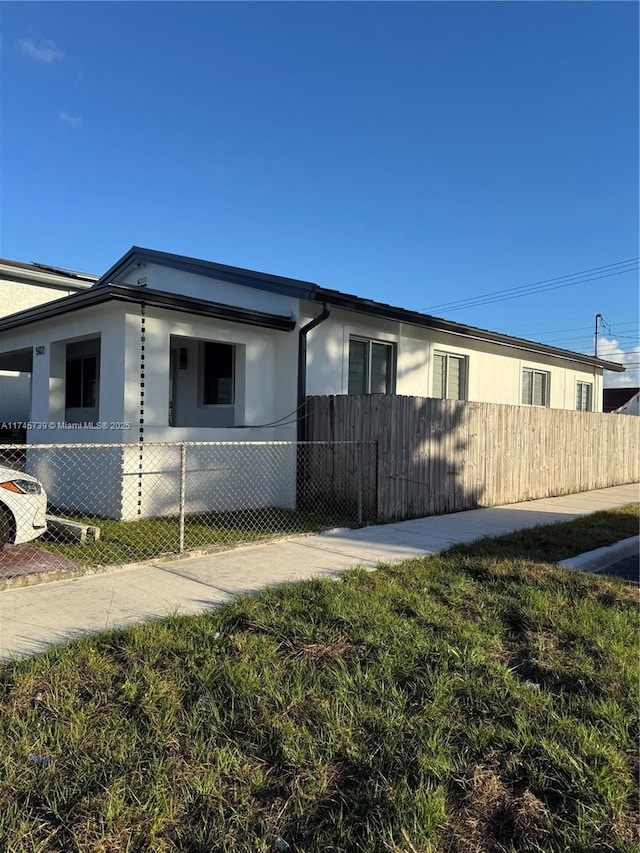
[154, 298]
[390, 312]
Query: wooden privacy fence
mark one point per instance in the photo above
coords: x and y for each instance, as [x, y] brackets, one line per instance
[436, 456]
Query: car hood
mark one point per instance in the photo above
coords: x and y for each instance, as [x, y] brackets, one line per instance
[12, 474]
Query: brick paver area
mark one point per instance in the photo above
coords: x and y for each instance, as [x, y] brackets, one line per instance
[20, 560]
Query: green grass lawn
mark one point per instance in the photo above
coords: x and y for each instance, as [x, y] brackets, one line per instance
[131, 541]
[481, 701]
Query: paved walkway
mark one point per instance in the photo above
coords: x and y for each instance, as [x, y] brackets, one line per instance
[31, 618]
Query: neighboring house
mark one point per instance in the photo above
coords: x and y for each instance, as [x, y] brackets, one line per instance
[631, 407]
[614, 398]
[168, 348]
[21, 287]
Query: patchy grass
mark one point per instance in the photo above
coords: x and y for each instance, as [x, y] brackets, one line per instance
[466, 702]
[130, 541]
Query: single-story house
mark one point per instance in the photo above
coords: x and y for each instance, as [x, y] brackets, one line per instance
[23, 286]
[167, 348]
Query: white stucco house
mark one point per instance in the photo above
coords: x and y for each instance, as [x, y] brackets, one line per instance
[23, 286]
[166, 348]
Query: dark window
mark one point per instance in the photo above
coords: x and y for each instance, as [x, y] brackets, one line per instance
[371, 367]
[81, 382]
[218, 361]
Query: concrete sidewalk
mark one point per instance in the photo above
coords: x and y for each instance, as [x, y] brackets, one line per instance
[31, 618]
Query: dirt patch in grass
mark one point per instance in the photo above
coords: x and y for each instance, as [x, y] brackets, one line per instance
[320, 653]
[492, 818]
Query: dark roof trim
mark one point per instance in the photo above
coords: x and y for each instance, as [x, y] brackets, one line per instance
[154, 298]
[107, 288]
[237, 275]
[415, 318]
[36, 267]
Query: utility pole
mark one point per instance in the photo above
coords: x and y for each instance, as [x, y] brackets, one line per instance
[598, 317]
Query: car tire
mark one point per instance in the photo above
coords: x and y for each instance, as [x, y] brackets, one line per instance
[6, 528]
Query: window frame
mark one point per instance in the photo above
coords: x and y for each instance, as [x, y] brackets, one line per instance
[464, 383]
[392, 348]
[546, 389]
[580, 386]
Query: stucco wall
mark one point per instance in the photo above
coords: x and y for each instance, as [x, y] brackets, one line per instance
[270, 371]
[268, 394]
[15, 388]
[17, 296]
[15, 396]
[214, 290]
[494, 371]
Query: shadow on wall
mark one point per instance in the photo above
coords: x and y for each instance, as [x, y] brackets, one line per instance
[439, 456]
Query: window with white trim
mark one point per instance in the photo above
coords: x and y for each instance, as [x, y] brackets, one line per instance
[584, 396]
[449, 376]
[535, 387]
[372, 366]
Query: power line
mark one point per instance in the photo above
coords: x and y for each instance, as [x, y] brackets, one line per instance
[578, 276]
[532, 292]
[608, 271]
[587, 337]
[580, 328]
[539, 328]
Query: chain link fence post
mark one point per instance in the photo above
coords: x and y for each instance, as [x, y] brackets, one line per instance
[183, 488]
[79, 505]
[359, 482]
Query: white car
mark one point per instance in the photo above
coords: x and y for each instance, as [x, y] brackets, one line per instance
[23, 507]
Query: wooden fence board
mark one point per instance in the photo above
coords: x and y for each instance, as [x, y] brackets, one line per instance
[436, 456]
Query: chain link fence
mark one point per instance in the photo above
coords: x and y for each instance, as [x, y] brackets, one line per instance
[73, 506]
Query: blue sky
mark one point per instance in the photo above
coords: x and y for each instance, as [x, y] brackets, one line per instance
[414, 153]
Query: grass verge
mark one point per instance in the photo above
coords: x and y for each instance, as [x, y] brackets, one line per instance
[554, 542]
[467, 702]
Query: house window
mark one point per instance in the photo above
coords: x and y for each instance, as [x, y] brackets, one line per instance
[535, 387]
[449, 376]
[584, 396]
[371, 366]
[218, 362]
[81, 382]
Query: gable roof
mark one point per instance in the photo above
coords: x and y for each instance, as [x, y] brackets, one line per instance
[108, 287]
[208, 269]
